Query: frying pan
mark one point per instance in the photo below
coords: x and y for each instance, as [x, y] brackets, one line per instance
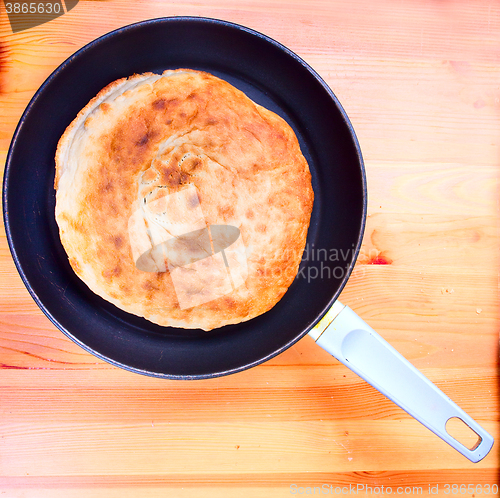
[278, 79]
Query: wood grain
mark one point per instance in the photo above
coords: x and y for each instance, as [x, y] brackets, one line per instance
[420, 81]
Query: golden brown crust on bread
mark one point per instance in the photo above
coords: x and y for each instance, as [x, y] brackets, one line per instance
[165, 133]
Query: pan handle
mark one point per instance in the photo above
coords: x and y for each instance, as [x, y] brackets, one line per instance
[355, 344]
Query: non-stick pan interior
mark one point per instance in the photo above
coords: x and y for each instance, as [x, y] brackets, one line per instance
[272, 76]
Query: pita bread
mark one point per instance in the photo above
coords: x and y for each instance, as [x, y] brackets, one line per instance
[181, 200]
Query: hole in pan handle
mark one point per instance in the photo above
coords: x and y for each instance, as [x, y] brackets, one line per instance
[355, 344]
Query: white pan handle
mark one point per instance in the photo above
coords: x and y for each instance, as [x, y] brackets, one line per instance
[355, 344]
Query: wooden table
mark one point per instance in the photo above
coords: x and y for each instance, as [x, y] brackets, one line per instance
[420, 80]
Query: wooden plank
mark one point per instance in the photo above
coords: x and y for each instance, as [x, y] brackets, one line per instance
[277, 393]
[332, 483]
[265, 447]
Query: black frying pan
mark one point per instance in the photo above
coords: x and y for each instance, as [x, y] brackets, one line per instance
[274, 77]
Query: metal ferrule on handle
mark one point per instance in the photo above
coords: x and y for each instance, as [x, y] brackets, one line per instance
[355, 344]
